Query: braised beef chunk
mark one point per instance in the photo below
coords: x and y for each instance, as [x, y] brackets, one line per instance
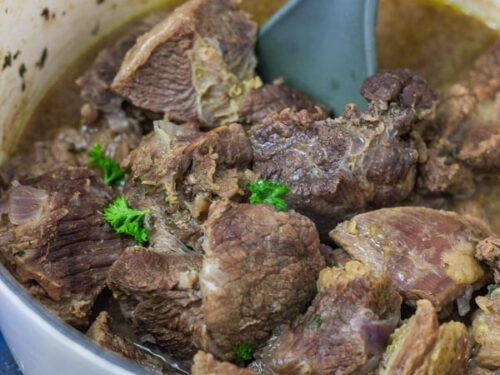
[95, 83]
[58, 242]
[401, 86]
[206, 364]
[345, 330]
[194, 65]
[338, 167]
[486, 331]
[259, 102]
[159, 293]
[428, 253]
[184, 170]
[101, 332]
[259, 271]
[480, 149]
[421, 346]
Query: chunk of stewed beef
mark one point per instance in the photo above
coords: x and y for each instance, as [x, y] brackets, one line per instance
[193, 66]
[57, 242]
[345, 330]
[259, 270]
[338, 167]
[422, 346]
[159, 293]
[178, 171]
[428, 253]
[102, 333]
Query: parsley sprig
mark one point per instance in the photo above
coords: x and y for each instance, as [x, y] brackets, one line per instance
[269, 192]
[112, 174]
[243, 352]
[126, 220]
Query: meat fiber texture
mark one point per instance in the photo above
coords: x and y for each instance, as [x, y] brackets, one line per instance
[259, 270]
[193, 65]
[486, 331]
[427, 253]
[422, 346]
[159, 293]
[338, 167]
[178, 171]
[102, 333]
[346, 329]
[63, 254]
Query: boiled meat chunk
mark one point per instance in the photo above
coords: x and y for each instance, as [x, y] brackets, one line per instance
[428, 253]
[206, 364]
[346, 329]
[338, 167]
[259, 271]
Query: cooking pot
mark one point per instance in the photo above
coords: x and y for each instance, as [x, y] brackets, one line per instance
[38, 40]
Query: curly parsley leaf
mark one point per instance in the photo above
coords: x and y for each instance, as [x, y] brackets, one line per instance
[126, 220]
[243, 352]
[112, 174]
[269, 192]
[315, 322]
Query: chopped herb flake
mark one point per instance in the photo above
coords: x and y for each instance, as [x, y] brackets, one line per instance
[243, 352]
[447, 153]
[269, 192]
[112, 174]
[126, 220]
[41, 62]
[491, 288]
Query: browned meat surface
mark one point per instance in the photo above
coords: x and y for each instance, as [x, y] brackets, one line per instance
[259, 271]
[345, 330]
[159, 293]
[488, 251]
[338, 167]
[421, 346]
[101, 332]
[206, 364]
[57, 241]
[183, 171]
[480, 148]
[486, 331]
[194, 65]
[258, 103]
[95, 83]
[428, 253]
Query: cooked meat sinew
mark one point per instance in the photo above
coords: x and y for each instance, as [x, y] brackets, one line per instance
[427, 253]
[338, 167]
[422, 346]
[259, 270]
[101, 332]
[62, 250]
[345, 330]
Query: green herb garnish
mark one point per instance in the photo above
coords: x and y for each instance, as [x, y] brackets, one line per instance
[243, 352]
[447, 153]
[126, 220]
[269, 192]
[112, 174]
[491, 288]
[315, 323]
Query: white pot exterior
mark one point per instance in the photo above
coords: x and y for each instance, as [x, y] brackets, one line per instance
[40, 343]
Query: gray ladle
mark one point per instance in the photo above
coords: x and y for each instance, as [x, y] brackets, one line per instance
[325, 48]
